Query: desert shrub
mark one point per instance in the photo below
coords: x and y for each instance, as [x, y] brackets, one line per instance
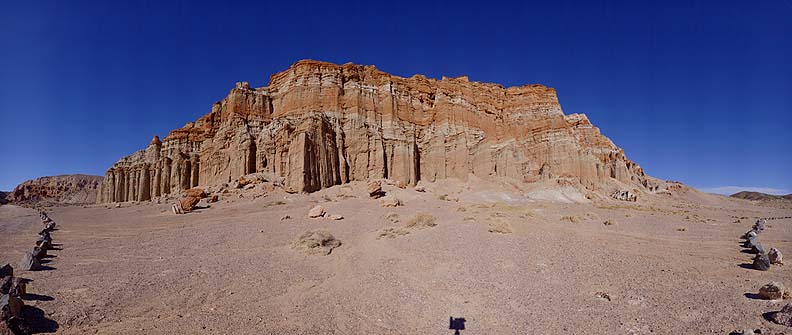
[570, 218]
[500, 227]
[422, 220]
[392, 233]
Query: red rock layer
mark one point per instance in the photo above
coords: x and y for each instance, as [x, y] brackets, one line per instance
[319, 124]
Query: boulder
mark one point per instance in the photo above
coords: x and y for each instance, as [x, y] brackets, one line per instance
[196, 193]
[5, 285]
[317, 211]
[758, 248]
[39, 253]
[188, 203]
[6, 270]
[784, 316]
[390, 201]
[624, 196]
[772, 291]
[18, 287]
[29, 263]
[374, 189]
[775, 256]
[10, 307]
[44, 243]
[761, 262]
[335, 217]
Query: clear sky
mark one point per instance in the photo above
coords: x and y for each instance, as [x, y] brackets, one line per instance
[695, 91]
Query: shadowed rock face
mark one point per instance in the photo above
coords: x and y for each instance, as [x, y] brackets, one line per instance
[64, 189]
[319, 124]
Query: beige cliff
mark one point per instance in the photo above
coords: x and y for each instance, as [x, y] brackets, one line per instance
[319, 124]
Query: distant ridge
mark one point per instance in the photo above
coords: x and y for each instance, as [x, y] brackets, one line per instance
[760, 196]
[63, 189]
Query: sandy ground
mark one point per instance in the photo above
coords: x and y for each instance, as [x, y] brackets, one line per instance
[669, 265]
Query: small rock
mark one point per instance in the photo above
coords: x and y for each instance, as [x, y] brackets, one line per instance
[761, 262]
[317, 211]
[775, 256]
[772, 291]
[784, 316]
[419, 188]
[335, 217]
[285, 217]
[603, 295]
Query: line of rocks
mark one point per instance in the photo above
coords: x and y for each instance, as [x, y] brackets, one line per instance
[14, 289]
[763, 262]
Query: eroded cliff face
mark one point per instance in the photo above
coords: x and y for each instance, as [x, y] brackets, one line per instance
[319, 124]
[64, 189]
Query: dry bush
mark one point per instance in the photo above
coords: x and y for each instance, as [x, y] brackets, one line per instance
[274, 203]
[392, 218]
[500, 227]
[318, 242]
[469, 218]
[422, 220]
[609, 222]
[570, 218]
[392, 233]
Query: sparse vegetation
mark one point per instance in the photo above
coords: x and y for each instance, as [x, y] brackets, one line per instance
[392, 218]
[500, 227]
[317, 242]
[609, 222]
[392, 233]
[274, 203]
[570, 218]
[422, 220]
[446, 197]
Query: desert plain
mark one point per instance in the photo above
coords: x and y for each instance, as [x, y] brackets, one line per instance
[509, 259]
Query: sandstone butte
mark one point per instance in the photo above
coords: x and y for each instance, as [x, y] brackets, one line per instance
[320, 124]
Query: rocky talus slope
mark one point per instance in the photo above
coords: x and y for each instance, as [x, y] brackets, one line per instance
[319, 124]
[64, 189]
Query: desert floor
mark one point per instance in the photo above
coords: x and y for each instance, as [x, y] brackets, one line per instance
[668, 264]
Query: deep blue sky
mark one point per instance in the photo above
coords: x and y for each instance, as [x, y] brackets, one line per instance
[696, 91]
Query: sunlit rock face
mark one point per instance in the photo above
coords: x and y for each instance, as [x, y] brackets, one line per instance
[319, 124]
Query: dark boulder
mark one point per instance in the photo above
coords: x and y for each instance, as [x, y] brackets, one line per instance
[761, 262]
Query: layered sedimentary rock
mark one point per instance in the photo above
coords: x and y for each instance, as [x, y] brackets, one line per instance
[319, 124]
[65, 189]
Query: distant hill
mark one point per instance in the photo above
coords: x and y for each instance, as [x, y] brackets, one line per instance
[65, 189]
[760, 196]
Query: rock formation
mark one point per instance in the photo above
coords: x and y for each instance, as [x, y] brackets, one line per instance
[319, 124]
[65, 189]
